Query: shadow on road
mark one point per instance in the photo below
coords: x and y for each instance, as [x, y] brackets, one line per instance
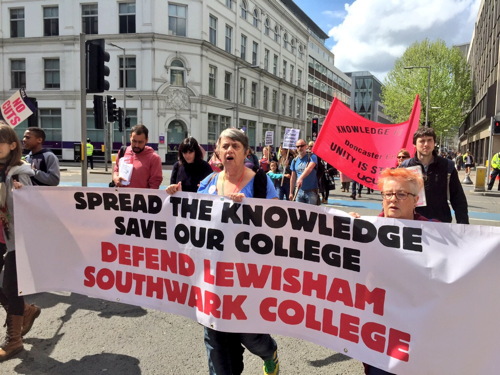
[106, 309]
[38, 360]
[337, 357]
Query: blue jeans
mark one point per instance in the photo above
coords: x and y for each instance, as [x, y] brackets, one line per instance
[284, 191]
[225, 350]
[356, 186]
[308, 196]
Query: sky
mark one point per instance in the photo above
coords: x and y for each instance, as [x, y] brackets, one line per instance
[369, 35]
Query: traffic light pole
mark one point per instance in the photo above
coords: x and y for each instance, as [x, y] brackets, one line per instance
[83, 108]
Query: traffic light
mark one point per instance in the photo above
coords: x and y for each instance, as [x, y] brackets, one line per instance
[112, 110]
[315, 126]
[95, 68]
[98, 112]
[496, 126]
[120, 119]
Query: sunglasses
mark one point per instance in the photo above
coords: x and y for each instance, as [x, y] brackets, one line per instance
[300, 146]
[403, 157]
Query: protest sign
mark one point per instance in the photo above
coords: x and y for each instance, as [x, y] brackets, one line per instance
[16, 109]
[290, 138]
[361, 148]
[410, 297]
[269, 138]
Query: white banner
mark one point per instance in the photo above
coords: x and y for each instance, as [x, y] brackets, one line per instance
[15, 110]
[409, 297]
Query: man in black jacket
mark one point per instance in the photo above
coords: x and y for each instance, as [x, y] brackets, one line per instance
[441, 180]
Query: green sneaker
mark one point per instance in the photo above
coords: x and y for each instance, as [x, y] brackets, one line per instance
[272, 366]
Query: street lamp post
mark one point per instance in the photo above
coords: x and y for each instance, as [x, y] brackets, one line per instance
[428, 89]
[237, 106]
[124, 76]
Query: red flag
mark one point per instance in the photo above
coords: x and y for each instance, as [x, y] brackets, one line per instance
[361, 148]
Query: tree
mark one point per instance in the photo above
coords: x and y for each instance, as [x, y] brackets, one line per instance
[450, 85]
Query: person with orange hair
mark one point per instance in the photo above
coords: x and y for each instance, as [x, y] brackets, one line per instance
[399, 188]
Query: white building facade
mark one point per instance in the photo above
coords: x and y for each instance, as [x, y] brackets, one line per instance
[192, 67]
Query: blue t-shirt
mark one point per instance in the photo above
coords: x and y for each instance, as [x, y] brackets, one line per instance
[299, 165]
[209, 186]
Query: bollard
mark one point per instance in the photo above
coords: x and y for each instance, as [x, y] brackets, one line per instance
[467, 180]
[480, 179]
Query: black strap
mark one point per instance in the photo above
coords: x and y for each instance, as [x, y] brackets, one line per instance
[260, 184]
[121, 152]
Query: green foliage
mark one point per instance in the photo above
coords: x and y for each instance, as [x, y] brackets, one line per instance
[450, 85]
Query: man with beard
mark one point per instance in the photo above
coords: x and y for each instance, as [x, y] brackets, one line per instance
[140, 165]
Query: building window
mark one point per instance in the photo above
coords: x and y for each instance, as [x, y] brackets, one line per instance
[276, 34]
[89, 19]
[177, 72]
[213, 129]
[255, 17]
[229, 4]
[212, 33]
[216, 124]
[52, 74]
[17, 73]
[17, 23]
[243, 51]
[299, 77]
[244, 9]
[130, 72]
[275, 65]
[177, 15]
[212, 79]
[229, 39]
[283, 104]
[292, 72]
[51, 123]
[253, 99]
[127, 18]
[243, 90]
[265, 98]
[290, 106]
[266, 60]
[274, 103]
[285, 40]
[298, 112]
[266, 27]
[284, 69]
[50, 21]
[255, 50]
[227, 85]
[251, 130]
